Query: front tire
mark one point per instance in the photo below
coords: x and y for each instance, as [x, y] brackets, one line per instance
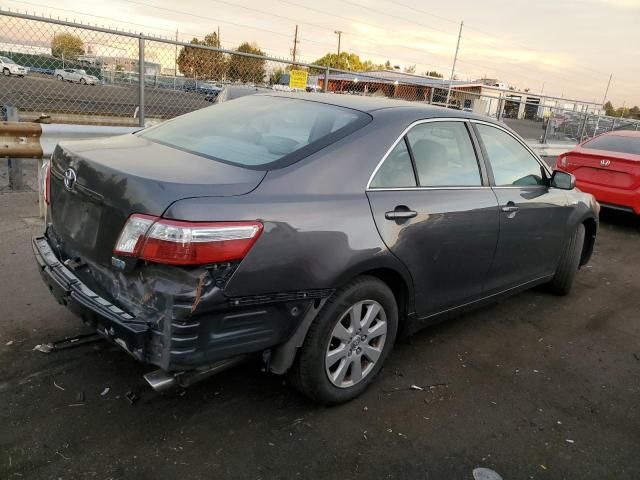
[6, 72]
[83, 81]
[569, 262]
[347, 343]
[59, 77]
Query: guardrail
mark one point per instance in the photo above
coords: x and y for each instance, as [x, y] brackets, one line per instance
[36, 140]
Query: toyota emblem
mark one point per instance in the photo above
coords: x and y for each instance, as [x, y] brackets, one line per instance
[605, 163]
[69, 178]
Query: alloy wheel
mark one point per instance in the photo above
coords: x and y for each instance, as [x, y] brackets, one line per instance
[356, 343]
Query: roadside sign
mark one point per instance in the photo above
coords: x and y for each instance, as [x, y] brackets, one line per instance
[298, 79]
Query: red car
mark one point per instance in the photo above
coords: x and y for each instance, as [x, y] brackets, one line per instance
[608, 167]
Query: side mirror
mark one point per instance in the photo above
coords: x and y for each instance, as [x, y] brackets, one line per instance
[562, 180]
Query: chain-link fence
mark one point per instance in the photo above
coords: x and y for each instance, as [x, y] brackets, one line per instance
[72, 73]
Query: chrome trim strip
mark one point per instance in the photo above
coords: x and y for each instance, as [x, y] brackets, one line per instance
[410, 189]
[417, 122]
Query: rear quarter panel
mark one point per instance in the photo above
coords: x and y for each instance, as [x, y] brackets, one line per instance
[318, 227]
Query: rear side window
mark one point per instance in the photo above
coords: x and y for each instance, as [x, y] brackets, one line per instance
[396, 171]
[511, 163]
[258, 131]
[444, 155]
[615, 143]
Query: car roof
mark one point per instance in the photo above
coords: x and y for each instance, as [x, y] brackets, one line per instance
[371, 105]
[623, 133]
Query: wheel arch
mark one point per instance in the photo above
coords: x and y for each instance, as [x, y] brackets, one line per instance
[389, 271]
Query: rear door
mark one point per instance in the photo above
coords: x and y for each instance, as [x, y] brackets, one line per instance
[435, 211]
[533, 216]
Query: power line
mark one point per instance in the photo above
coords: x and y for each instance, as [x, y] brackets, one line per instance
[78, 12]
[135, 2]
[502, 39]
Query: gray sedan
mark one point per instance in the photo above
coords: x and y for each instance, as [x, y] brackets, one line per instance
[311, 230]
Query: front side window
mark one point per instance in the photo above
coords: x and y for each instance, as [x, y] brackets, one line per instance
[396, 171]
[256, 131]
[444, 155]
[511, 162]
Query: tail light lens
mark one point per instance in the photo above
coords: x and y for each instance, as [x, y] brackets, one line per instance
[45, 181]
[176, 242]
[562, 161]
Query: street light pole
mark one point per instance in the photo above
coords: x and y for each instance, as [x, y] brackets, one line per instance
[339, 33]
[453, 68]
[606, 92]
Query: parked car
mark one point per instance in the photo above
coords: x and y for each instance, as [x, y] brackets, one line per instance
[201, 87]
[76, 75]
[230, 92]
[9, 67]
[608, 167]
[309, 229]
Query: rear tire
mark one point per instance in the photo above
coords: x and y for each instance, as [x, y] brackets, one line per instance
[341, 356]
[83, 81]
[59, 77]
[6, 72]
[569, 262]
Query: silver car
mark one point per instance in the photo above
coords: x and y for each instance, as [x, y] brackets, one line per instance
[9, 67]
[76, 76]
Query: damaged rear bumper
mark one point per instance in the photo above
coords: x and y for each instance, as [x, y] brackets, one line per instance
[108, 319]
[173, 320]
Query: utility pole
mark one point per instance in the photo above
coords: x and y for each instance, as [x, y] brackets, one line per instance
[339, 33]
[606, 92]
[175, 57]
[219, 44]
[295, 44]
[453, 68]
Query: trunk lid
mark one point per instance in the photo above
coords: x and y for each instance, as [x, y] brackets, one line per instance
[115, 177]
[601, 167]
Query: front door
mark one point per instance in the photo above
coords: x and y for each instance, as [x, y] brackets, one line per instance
[533, 216]
[435, 211]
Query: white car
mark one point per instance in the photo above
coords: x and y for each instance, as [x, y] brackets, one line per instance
[9, 67]
[76, 76]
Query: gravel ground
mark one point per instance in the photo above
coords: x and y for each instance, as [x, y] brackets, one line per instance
[536, 386]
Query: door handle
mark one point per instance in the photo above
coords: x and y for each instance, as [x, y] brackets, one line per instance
[400, 213]
[510, 208]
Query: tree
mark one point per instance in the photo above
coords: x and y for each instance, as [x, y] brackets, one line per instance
[348, 61]
[608, 109]
[67, 46]
[387, 65]
[410, 69]
[247, 69]
[275, 76]
[433, 73]
[196, 62]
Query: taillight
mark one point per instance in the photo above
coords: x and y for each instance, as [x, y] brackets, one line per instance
[45, 181]
[562, 161]
[186, 243]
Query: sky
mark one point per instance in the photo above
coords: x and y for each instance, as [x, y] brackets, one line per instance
[563, 48]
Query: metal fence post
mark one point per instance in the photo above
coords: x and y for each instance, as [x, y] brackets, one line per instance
[141, 80]
[583, 128]
[14, 165]
[325, 86]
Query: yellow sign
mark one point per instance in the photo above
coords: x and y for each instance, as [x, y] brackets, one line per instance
[298, 79]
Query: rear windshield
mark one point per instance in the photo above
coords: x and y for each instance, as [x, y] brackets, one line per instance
[613, 143]
[258, 132]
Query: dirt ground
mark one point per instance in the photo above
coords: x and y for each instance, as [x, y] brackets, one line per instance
[536, 386]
